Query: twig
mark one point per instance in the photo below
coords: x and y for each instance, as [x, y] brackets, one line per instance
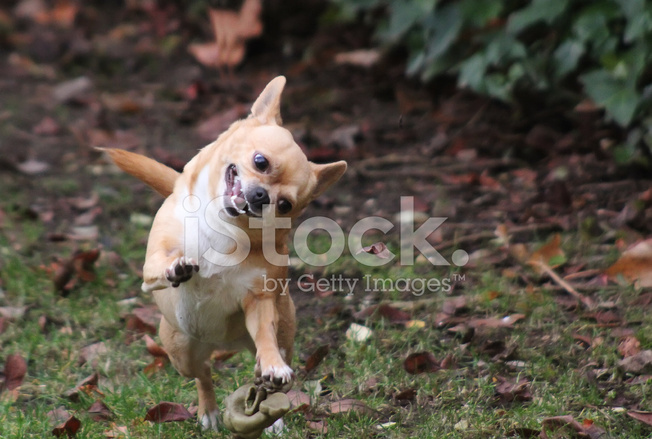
[586, 301]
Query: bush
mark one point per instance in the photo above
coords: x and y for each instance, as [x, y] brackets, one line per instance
[496, 47]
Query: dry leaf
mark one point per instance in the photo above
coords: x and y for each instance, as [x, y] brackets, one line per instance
[393, 315]
[549, 253]
[88, 385]
[143, 320]
[421, 362]
[586, 429]
[167, 412]
[153, 348]
[316, 357]
[629, 346]
[100, 412]
[12, 312]
[67, 425]
[505, 322]
[298, 400]
[509, 391]
[638, 364]
[453, 305]
[645, 417]
[406, 395]
[14, 372]
[116, 432]
[351, 405]
[91, 353]
[635, 265]
[379, 249]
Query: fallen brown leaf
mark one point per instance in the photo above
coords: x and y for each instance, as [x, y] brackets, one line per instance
[645, 417]
[638, 364]
[453, 305]
[406, 395]
[99, 411]
[421, 362]
[14, 372]
[351, 406]
[509, 390]
[88, 385]
[549, 254]
[379, 249]
[299, 401]
[316, 357]
[91, 353]
[116, 432]
[12, 312]
[634, 265]
[585, 429]
[142, 320]
[505, 322]
[67, 424]
[629, 346]
[393, 315]
[167, 412]
[153, 348]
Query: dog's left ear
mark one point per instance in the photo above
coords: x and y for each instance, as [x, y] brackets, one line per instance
[326, 175]
[267, 108]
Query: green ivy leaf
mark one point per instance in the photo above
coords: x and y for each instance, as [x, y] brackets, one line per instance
[567, 56]
[617, 96]
[538, 10]
[444, 27]
[404, 15]
[478, 13]
[472, 72]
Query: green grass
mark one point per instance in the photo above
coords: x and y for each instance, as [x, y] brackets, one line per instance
[451, 403]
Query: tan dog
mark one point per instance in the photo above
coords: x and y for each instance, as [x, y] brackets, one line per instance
[206, 265]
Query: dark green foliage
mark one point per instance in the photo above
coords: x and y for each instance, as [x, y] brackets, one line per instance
[566, 48]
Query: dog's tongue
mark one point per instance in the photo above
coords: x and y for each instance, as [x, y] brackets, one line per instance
[237, 198]
[239, 202]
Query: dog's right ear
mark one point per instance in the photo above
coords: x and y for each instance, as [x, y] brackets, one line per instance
[267, 108]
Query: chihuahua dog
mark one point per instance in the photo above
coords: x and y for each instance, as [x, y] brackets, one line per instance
[210, 249]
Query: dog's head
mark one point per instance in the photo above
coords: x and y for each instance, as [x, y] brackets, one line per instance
[262, 166]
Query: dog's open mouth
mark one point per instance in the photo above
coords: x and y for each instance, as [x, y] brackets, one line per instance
[235, 195]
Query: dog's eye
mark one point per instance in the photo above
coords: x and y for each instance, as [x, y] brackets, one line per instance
[261, 162]
[284, 206]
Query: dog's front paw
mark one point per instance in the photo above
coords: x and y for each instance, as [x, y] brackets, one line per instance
[277, 378]
[181, 270]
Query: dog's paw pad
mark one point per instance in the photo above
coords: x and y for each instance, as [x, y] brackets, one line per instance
[181, 270]
[276, 378]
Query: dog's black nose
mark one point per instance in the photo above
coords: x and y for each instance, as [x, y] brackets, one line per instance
[258, 197]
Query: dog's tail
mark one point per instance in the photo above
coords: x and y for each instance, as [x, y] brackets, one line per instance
[156, 175]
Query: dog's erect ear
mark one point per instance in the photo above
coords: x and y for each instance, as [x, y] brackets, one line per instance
[267, 108]
[326, 176]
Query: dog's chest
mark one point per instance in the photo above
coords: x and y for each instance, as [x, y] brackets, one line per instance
[210, 309]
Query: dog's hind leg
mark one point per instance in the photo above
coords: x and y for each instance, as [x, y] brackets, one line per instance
[189, 357]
